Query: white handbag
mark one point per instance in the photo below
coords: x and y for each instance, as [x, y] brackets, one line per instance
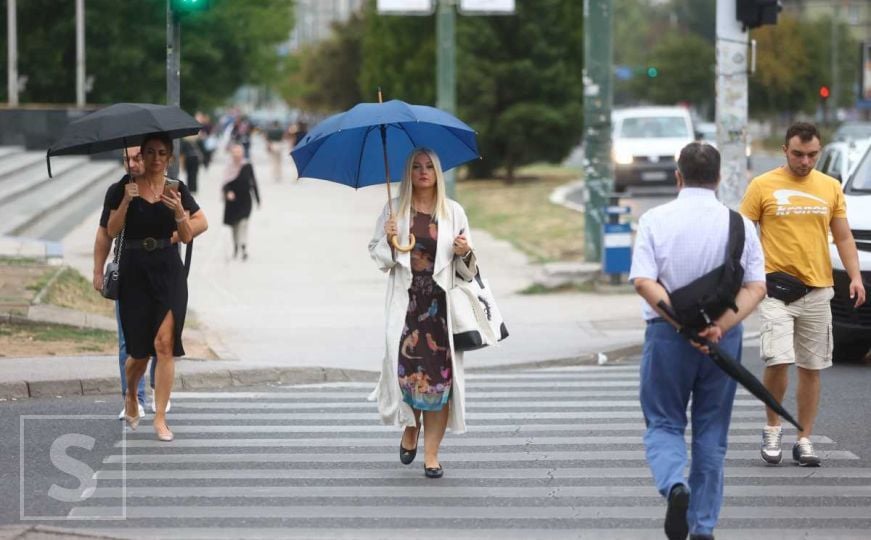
[475, 319]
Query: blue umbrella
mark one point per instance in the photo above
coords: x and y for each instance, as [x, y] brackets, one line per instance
[370, 142]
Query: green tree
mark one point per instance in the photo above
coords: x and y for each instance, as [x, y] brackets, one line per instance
[684, 72]
[520, 83]
[231, 44]
[398, 56]
[329, 70]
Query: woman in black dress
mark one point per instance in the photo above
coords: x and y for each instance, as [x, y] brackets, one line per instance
[239, 184]
[153, 294]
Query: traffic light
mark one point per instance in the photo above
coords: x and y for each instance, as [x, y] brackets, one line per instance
[755, 13]
[188, 6]
[825, 92]
[652, 72]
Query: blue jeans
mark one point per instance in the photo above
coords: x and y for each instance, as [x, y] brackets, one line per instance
[122, 361]
[671, 370]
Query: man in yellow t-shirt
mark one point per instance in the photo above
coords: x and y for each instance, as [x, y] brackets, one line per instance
[796, 207]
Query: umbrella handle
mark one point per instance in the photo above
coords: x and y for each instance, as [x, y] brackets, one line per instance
[394, 241]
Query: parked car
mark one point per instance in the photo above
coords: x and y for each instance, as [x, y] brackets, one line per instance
[849, 131]
[646, 142]
[839, 159]
[851, 328]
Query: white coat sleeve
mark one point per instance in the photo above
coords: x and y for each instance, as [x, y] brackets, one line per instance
[379, 247]
[467, 267]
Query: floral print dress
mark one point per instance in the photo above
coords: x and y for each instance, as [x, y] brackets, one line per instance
[424, 349]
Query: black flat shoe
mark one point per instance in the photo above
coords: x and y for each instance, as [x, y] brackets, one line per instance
[433, 472]
[406, 456]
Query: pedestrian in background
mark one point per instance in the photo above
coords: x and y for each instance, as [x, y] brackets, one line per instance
[239, 184]
[796, 208]
[191, 157]
[677, 243]
[421, 373]
[132, 160]
[275, 136]
[153, 290]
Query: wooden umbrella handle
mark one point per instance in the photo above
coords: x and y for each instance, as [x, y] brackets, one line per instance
[394, 241]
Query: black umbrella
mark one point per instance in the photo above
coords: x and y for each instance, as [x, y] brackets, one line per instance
[119, 126]
[732, 367]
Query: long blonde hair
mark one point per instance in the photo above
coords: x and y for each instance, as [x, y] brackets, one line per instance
[405, 188]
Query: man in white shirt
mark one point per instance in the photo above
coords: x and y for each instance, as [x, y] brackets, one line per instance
[677, 243]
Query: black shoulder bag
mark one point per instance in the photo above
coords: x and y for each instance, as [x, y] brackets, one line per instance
[705, 299]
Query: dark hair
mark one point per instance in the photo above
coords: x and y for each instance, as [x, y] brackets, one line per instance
[699, 164]
[158, 136]
[805, 131]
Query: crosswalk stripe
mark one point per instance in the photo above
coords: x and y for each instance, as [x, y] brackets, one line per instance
[334, 415]
[470, 405]
[376, 427]
[555, 493]
[354, 454]
[358, 533]
[783, 473]
[525, 440]
[530, 513]
[479, 395]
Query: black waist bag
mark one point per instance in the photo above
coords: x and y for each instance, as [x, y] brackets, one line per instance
[785, 287]
[700, 303]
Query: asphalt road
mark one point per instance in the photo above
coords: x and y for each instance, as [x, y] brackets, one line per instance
[552, 453]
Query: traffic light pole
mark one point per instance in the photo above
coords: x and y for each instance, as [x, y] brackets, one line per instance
[11, 53]
[173, 78]
[732, 99]
[598, 98]
[446, 72]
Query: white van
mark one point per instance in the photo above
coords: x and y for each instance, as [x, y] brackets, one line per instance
[646, 142]
[851, 328]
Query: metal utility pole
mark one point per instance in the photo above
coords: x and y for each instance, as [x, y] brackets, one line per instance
[446, 82]
[11, 53]
[598, 101]
[732, 92]
[173, 74]
[80, 53]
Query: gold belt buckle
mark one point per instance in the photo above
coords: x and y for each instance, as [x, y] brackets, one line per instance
[149, 244]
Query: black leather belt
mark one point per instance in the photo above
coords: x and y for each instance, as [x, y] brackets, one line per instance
[147, 244]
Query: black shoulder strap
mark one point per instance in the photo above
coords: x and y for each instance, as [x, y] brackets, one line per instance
[188, 253]
[735, 246]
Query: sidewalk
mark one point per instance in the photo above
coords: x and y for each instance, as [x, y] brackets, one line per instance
[308, 305]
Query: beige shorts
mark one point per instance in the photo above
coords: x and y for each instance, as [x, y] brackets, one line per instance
[799, 333]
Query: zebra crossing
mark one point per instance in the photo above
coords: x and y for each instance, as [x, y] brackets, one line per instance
[550, 454]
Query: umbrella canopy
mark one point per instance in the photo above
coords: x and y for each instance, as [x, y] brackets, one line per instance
[733, 369]
[350, 147]
[119, 126]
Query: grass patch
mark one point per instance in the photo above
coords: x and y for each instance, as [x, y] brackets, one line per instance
[522, 213]
[72, 290]
[38, 339]
[538, 288]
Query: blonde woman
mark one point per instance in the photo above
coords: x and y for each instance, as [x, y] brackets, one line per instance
[421, 381]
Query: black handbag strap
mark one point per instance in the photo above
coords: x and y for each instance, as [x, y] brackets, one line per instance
[735, 245]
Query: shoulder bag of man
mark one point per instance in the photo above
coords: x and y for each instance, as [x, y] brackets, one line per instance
[704, 300]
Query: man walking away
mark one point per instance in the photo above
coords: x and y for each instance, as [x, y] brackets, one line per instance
[677, 243]
[796, 208]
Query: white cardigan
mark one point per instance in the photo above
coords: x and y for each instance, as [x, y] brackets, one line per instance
[391, 407]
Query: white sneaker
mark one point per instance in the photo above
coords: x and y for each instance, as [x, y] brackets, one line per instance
[772, 452]
[123, 412]
[154, 405]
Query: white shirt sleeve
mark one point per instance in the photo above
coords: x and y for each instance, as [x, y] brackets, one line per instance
[643, 254]
[753, 260]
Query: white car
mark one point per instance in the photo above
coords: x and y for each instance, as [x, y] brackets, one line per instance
[646, 142]
[851, 328]
[839, 159]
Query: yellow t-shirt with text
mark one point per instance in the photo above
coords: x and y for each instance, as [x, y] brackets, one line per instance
[794, 214]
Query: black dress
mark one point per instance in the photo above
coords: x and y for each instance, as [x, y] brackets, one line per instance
[242, 186]
[151, 282]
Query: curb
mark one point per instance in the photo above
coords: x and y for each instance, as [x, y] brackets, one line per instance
[43, 532]
[231, 378]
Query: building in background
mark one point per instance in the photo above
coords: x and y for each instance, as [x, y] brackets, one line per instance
[314, 19]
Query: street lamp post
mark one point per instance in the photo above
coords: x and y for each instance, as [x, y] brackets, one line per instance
[446, 79]
[173, 78]
[11, 53]
[80, 53]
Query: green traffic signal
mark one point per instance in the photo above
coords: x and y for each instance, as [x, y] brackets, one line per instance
[652, 72]
[187, 6]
